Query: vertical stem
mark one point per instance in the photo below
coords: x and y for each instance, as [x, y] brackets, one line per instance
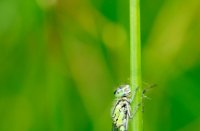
[135, 63]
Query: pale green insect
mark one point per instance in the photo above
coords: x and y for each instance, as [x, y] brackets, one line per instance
[121, 112]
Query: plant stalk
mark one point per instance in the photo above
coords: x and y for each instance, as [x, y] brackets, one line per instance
[135, 64]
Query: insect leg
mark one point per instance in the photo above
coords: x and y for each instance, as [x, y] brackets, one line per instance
[144, 96]
[135, 110]
[148, 88]
[133, 94]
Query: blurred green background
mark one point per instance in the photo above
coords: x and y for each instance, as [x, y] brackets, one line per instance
[60, 61]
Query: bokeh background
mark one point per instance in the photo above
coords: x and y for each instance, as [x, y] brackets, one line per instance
[60, 61]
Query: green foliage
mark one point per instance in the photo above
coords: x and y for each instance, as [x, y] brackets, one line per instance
[60, 62]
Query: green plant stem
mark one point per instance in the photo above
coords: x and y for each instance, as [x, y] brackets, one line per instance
[135, 63]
